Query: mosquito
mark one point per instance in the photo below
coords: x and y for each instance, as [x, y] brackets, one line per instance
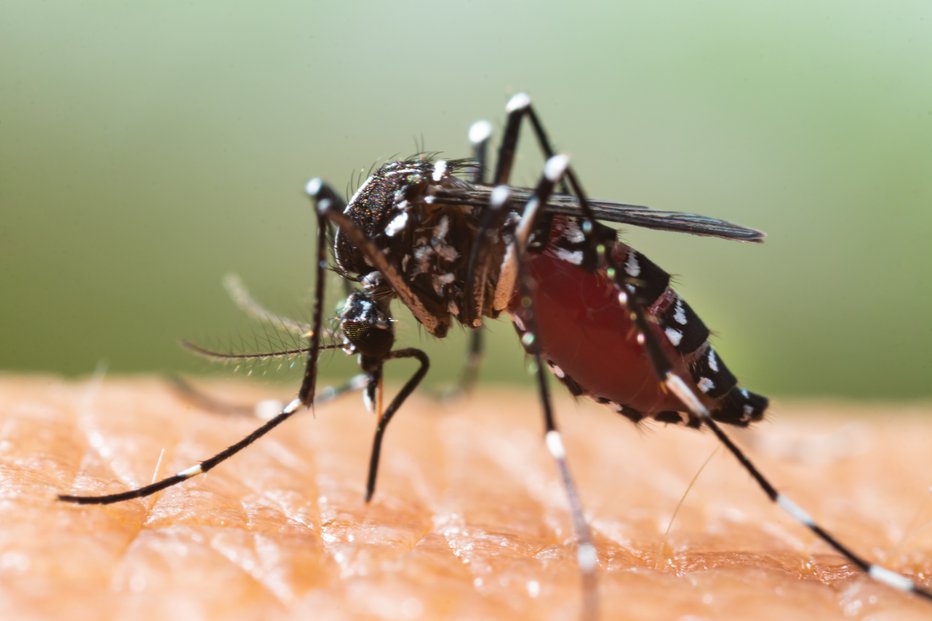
[455, 245]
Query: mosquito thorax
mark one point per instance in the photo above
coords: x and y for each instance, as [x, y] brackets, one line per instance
[418, 213]
[380, 207]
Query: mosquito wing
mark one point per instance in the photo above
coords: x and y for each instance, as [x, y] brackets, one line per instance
[609, 211]
[645, 217]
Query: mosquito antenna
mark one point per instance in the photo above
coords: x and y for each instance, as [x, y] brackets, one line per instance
[252, 308]
[262, 355]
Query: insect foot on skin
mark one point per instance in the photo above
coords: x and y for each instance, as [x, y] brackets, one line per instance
[454, 244]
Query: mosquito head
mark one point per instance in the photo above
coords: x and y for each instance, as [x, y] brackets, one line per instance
[367, 328]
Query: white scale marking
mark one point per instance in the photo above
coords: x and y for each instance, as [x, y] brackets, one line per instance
[795, 511]
[441, 281]
[586, 557]
[713, 362]
[573, 234]
[891, 578]
[705, 384]
[313, 186]
[517, 102]
[574, 257]
[480, 132]
[679, 313]
[632, 268]
[190, 472]
[372, 280]
[555, 167]
[679, 388]
[397, 224]
[555, 445]
[674, 335]
[499, 195]
[442, 228]
[440, 170]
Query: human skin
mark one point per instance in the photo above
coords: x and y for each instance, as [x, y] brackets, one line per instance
[469, 520]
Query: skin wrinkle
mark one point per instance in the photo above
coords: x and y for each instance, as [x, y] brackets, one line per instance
[83, 416]
[484, 463]
[149, 517]
[242, 566]
[425, 498]
[275, 452]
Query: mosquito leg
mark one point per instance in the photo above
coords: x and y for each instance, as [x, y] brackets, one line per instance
[664, 370]
[688, 397]
[201, 400]
[474, 289]
[479, 134]
[386, 416]
[554, 169]
[325, 199]
[481, 259]
[193, 471]
[355, 383]
[332, 210]
[470, 372]
[586, 556]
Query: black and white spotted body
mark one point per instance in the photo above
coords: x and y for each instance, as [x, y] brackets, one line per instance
[409, 209]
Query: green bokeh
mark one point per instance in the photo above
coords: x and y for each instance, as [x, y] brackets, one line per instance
[147, 150]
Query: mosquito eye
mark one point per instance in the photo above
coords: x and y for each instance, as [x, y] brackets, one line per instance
[369, 339]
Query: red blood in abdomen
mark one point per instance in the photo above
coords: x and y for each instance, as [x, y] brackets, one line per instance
[584, 330]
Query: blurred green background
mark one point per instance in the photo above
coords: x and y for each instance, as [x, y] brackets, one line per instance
[148, 149]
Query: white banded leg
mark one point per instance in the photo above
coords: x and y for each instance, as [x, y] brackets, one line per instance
[357, 382]
[515, 260]
[480, 133]
[194, 470]
[332, 211]
[325, 198]
[689, 398]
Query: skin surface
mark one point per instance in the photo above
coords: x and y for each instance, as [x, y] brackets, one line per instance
[468, 520]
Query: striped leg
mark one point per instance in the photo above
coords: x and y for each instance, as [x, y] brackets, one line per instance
[285, 413]
[479, 134]
[325, 199]
[331, 209]
[687, 395]
[586, 556]
[263, 410]
[518, 108]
